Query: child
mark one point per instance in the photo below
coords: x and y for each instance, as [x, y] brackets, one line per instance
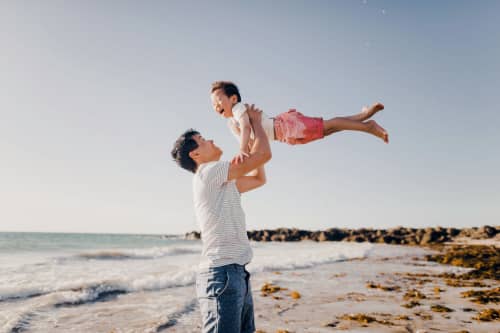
[291, 127]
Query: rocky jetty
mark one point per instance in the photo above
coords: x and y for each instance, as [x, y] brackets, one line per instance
[398, 235]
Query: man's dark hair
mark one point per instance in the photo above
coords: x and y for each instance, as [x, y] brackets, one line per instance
[229, 88]
[182, 147]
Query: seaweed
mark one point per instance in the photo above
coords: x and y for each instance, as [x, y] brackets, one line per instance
[413, 294]
[488, 315]
[440, 308]
[483, 296]
[484, 259]
[372, 285]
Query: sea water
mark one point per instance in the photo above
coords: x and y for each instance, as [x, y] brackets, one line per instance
[95, 282]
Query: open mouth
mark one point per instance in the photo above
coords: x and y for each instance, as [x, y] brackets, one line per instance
[221, 111]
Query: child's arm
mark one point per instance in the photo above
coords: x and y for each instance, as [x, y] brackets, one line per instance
[259, 154]
[245, 131]
[234, 129]
[236, 132]
[254, 179]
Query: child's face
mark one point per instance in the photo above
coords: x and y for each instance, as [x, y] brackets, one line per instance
[222, 104]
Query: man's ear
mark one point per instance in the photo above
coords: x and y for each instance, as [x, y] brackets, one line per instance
[233, 99]
[193, 154]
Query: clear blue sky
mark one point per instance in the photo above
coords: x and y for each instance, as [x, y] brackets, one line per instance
[93, 94]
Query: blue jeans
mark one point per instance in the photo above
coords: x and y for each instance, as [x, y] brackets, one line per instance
[225, 299]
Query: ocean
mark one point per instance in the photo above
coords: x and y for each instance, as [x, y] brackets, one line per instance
[52, 282]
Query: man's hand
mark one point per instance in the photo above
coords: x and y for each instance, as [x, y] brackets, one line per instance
[255, 114]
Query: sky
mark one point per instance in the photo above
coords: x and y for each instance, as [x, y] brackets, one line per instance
[93, 95]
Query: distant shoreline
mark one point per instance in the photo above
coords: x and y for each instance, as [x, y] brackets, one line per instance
[395, 236]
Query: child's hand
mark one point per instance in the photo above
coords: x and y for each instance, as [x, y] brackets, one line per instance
[240, 157]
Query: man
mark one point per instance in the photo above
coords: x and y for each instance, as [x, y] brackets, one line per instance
[223, 283]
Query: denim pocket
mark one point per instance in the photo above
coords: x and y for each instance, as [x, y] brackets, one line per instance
[211, 284]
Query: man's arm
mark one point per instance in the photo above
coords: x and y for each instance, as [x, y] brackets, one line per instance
[255, 179]
[261, 150]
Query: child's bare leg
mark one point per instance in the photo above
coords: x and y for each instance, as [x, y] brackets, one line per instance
[341, 124]
[367, 112]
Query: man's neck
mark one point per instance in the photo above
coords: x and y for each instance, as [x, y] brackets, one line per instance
[198, 165]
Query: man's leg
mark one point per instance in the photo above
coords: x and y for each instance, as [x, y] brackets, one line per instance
[247, 316]
[221, 299]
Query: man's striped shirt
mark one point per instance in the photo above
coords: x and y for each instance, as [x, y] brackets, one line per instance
[220, 216]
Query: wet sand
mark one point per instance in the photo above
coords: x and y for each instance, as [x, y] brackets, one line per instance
[394, 295]
[403, 294]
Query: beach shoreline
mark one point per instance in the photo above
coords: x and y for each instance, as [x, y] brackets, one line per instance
[408, 293]
[306, 286]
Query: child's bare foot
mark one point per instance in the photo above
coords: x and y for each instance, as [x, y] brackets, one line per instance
[378, 130]
[368, 112]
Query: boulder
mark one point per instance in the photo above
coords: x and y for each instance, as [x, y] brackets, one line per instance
[193, 235]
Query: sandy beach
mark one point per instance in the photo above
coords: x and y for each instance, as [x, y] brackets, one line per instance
[367, 295]
[297, 287]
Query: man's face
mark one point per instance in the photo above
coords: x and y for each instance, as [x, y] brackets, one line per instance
[222, 104]
[207, 151]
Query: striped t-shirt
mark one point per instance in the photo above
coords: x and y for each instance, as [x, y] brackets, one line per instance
[217, 205]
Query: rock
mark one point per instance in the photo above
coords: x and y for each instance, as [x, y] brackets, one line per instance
[296, 235]
[193, 235]
[452, 232]
[323, 237]
[388, 239]
[277, 238]
[484, 232]
[334, 234]
[430, 236]
[399, 235]
[359, 239]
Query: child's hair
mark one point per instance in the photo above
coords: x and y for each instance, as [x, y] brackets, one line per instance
[229, 88]
[182, 147]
